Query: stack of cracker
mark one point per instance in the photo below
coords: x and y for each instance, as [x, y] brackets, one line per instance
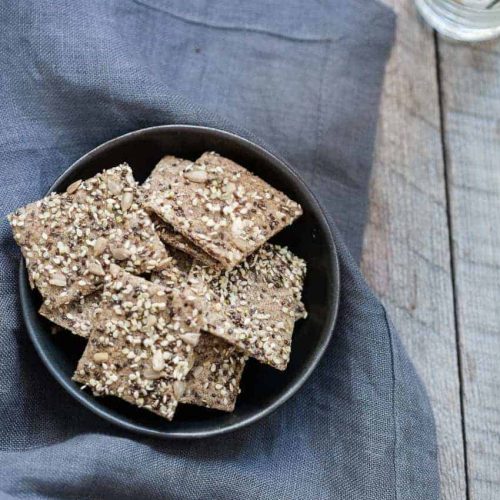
[173, 283]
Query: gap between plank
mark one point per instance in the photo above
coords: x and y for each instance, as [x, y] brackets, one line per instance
[447, 187]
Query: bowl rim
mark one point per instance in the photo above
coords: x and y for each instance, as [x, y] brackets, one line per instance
[334, 294]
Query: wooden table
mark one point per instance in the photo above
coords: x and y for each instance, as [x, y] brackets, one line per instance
[432, 245]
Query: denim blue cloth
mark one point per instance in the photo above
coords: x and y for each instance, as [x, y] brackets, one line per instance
[305, 79]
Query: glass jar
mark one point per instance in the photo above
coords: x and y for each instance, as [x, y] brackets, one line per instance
[467, 20]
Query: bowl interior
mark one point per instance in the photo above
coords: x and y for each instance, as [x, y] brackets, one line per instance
[263, 388]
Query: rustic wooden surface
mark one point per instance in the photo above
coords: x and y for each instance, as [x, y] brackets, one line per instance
[470, 91]
[432, 245]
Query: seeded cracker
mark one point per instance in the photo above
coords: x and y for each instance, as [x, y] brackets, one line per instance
[79, 316]
[218, 205]
[255, 306]
[218, 366]
[142, 346]
[69, 239]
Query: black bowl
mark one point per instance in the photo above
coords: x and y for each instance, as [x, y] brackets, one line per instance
[263, 388]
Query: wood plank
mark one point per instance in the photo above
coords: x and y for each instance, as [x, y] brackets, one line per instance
[470, 80]
[406, 249]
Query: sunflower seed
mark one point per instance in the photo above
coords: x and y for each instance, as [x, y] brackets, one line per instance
[127, 199]
[150, 374]
[72, 188]
[100, 245]
[158, 361]
[120, 253]
[114, 270]
[96, 268]
[179, 389]
[58, 279]
[190, 338]
[200, 176]
[101, 357]
[197, 371]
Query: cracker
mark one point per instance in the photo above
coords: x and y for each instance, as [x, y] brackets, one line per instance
[255, 306]
[78, 317]
[176, 240]
[69, 239]
[214, 381]
[142, 345]
[218, 205]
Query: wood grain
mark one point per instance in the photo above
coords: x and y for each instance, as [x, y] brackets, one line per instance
[470, 82]
[406, 249]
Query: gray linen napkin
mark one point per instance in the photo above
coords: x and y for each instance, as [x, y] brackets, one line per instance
[305, 78]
